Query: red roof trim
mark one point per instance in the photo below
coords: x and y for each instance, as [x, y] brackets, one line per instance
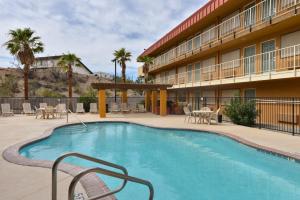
[194, 18]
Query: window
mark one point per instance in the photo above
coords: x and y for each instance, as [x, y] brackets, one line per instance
[250, 93]
[189, 45]
[209, 97]
[231, 59]
[230, 23]
[197, 42]
[227, 95]
[249, 60]
[249, 14]
[268, 9]
[268, 56]
[290, 43]
[208, 65]
[197, 72]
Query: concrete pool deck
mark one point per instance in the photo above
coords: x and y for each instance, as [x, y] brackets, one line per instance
[22, 182]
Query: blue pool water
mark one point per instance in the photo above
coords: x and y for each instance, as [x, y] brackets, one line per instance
[182, 165]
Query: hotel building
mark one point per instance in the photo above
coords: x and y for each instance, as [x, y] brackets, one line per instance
[232, 47]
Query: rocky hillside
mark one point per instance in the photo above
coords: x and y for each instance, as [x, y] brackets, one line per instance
[46, 83]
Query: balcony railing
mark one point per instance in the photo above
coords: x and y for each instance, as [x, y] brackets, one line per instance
[247, 19]
[285, 60]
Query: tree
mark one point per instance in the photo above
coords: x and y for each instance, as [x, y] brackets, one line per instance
[122, 56]
[65, 63]
[147, 62]
[23, 45]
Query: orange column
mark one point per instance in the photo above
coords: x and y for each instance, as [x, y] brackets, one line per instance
[147, 100]
[163, 102]
[124, 96]
[102, 103]
[154, 101]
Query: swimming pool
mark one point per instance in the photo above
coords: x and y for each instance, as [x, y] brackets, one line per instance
[180, 164]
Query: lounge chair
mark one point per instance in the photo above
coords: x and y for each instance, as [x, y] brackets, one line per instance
[124, 108]
[43, 105]
[27, 109]
[61, 109]
[79, 108]
[6, 111]
[133, 108]
[141, 108]
[188, 114]
[93, 108]
[114, 108]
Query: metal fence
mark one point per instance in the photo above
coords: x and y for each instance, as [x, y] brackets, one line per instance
[274, 113]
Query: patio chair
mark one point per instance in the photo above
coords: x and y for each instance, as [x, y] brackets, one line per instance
[93, 108]
[215, 115]
[115, 108]
[27, 109]
[49, 111]
[61, 109]
[79, 108]
[133, 108]
[43, 105]
[124, 108]
[6, 111]
[141, 108]
[188, 114]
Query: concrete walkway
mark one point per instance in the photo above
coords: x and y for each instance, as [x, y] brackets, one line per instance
[21, 182]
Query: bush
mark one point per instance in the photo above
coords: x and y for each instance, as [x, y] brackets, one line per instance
[241, 113]
[89, 97]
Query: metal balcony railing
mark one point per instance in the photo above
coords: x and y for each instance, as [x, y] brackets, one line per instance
[269, 63]
[250, 18]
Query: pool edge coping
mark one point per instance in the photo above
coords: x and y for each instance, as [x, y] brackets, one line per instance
[92, 184]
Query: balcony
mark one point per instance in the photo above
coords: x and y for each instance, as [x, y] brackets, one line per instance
[278, 64]
[252, 19]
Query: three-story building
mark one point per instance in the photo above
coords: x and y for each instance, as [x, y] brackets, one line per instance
[232, 47]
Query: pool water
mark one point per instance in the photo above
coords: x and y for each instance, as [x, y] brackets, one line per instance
[181, 165]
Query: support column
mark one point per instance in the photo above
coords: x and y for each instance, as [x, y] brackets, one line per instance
[102, 103]
[163, 102]
[154, 101]
[147, 100]
[124, 96]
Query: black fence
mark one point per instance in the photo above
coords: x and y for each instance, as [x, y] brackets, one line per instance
[274, 113]
[280, 113]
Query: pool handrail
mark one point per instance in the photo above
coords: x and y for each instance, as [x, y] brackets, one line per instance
[108, 173]
[89, 158]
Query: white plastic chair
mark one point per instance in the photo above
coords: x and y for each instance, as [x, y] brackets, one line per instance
[79, 108]
[6, 111]
[93, 108]
[27, 109]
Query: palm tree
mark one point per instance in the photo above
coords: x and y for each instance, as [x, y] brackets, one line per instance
[65, 63]
[23, 45]
[122, 56]
[147, 62]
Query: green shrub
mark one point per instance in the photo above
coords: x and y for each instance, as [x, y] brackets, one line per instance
[88, 97]
[241, 112]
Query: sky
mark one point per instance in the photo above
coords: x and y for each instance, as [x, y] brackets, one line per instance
[93, 29]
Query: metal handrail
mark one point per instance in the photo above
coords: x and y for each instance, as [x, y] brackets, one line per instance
[69, 111]
[108, 173]
[85, 157]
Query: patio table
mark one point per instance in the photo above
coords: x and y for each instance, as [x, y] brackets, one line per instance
[203, 114]
[46, 112]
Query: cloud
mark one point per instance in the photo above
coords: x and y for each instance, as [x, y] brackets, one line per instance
[93, 29]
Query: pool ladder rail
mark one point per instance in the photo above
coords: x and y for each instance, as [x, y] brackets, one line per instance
[125, 177]
[69, 111]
